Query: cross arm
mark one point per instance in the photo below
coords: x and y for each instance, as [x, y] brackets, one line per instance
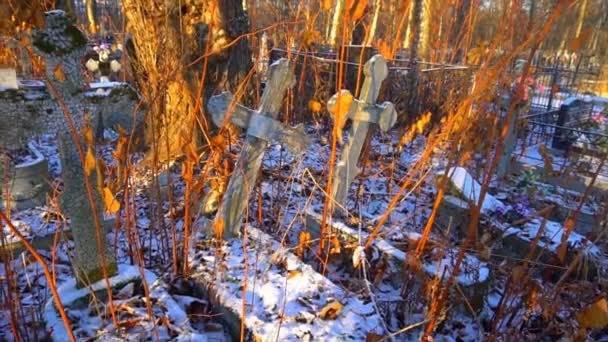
[257, 124]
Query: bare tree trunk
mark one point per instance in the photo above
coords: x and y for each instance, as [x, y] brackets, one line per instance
[335, 22]
[407, 40]
[166, 49]
[91, 4]
[372, 30]
[581, 18]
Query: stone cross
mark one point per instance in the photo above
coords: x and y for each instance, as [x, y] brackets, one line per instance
[63, 46]
[362, 112]
[262, 129]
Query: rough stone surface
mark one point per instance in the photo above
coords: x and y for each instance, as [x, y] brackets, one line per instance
[362, 113]
[242, 181]
[63, 45]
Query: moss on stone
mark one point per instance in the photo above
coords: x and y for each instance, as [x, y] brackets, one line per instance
[95, 275]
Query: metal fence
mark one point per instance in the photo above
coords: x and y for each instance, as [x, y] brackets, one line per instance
[568, 128]
[438, 84]
[558, 81]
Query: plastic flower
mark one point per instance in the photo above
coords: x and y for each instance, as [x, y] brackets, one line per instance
[598, 118]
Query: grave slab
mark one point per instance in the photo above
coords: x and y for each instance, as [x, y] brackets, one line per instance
[517, 239]
[284, 296]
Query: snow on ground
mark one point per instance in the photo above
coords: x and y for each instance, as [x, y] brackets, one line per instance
[285, 298]
[288, 188]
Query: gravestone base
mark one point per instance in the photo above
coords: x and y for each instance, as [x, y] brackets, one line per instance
[28, 182]
[283, 295]
[75, 298]
[517, 240]
[474, 286]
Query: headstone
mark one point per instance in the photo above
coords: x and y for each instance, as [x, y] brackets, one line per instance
[63, 45]
[510, 142]
[362, 112]
[8, 79]
[262, 129]
[27, 183]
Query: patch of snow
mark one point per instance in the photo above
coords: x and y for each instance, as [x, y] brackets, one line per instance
[281, 290]
[471, 189]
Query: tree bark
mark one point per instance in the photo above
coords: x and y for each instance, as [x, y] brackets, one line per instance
[374, 25]
[91, 13]
[581, 18]
[335, 22]
[167, 43]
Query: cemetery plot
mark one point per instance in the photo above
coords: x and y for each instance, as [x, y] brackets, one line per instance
[244, 237]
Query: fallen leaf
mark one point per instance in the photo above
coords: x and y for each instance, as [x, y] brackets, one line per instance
[314, 106]
[129, 323]
[218, 228]
[335, 249]
[87, 132]
[58, 73]
[109, 201]
[340, 111]
[331, 310]
[293, 274]
[385, 49]
[594, 316]
[304, 242]
[373, 337]
[358, 256]
[89, 162]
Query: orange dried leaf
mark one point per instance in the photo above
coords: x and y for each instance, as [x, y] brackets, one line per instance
[58, 73]
[109, 201]
[293, 274]
[335, 249]
[89, 162]
[594, 316]
[87, 133]
[304, 242]
[187, 171]
[218, 228]
[314, 106]
[345, 99]
[331, 310]
[385, 49]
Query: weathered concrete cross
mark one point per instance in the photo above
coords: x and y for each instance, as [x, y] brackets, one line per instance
[262, 129]
[362, 112]
[63, 45]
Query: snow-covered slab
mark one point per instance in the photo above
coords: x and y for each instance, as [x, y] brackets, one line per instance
[35, 84]
[69, 293]
[551, 238]
[470, 189]
[434, 268]
[284, 296]
[72, 297]
[104, 85]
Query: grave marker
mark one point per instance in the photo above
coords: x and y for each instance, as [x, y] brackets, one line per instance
[8, 79]
[510, 141]
[63, 45]
[362, 112]
[262, 129]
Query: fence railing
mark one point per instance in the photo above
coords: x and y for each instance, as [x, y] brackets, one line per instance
[567, 128]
